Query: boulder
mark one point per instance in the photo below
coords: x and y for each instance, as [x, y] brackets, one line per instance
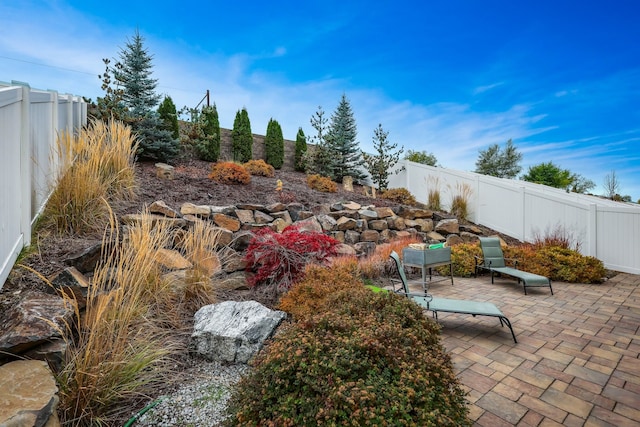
[164, 171]
[160, 207]
[246, 216]
[262, 218]
[309, 224]
[448, 226]
[171, 259]
[86, 259]
[29, 394]
[191, 209]
[345, 223]
[227, 222]
[37, 318]
[71, 282]
[370, 236]
[384, 212]
[327, 222]
[233, 331]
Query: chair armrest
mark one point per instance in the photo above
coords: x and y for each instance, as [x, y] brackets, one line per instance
[479, 261]
[513, 260]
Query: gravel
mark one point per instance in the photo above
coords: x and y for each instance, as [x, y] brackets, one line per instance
[200, 400]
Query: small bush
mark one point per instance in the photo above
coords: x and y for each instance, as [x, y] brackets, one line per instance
[378, 263]
[463, 261]
[362, 358]
[307, 297]
[321, 183]
[279, 259]
[229, 173]
[399, 195]
[259, 168]
[558, 236]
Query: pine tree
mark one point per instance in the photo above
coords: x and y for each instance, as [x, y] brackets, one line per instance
[169, 116]
[241, 137]
[342, 143]
[379, 165]
[499, 163]
[274, 144]
[319, 159]
[301, 149]
[133, 75]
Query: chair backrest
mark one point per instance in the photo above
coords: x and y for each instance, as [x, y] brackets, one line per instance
[403, 277]
[492, 252]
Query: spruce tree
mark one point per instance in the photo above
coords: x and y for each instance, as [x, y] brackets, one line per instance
[342, 143]
[274, 144]
[242, 138]
[379, 165]
[301, 149]
[169, 116]
[133, 75]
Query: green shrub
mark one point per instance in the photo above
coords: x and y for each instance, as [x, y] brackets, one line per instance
[241, 137]
[229, 173]
[274, 144]
[169, 116]
[321, 183]
[208, 143]
[364, 358]
[259, 168]
[463, 261]
[399, 195]
[301, 149]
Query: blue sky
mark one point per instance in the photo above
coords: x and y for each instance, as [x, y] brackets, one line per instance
[560, 78]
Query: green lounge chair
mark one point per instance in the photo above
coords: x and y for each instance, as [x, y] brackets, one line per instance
[493, 260]
[428, 302]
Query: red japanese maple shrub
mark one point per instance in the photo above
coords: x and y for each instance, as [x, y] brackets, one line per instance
[279, 259]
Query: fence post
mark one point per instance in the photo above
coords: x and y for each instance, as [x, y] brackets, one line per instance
[592, 231]
[25, 165]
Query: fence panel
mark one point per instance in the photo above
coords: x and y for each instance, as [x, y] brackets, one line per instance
[12, 165]
[30, 121]
[605, 229]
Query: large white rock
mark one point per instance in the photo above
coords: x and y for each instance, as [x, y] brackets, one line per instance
[233, 331]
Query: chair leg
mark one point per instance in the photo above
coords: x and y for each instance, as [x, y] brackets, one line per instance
[506, 322]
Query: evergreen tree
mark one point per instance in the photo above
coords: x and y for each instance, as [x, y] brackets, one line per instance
[301, 149]
[242, 138]
[274, 144]
[208, 144]
[379, 165]
[499, 163]
[133, 75]
[169, 116]
[422, 157]
[342, 143]
[319, 159]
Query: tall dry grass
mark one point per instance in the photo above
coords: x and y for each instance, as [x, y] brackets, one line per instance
[460, 201]
[97, 168]
[120, 349]
[433, 193]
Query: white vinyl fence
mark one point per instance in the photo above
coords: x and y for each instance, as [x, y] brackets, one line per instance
[30, 121]
[607, 230]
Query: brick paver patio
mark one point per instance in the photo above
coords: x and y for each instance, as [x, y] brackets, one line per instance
[576, 362]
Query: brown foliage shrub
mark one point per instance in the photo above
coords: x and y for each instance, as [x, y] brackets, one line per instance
[321, 183]
[399, 195]
[259, 168]
[229, 173]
